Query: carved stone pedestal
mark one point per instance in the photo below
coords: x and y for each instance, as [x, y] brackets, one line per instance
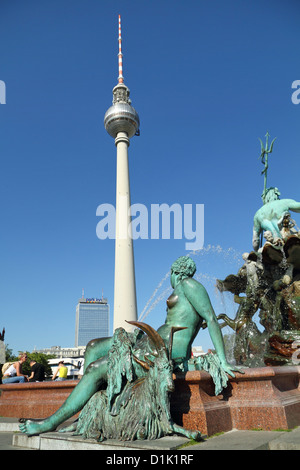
[265, 398]
[34, 399]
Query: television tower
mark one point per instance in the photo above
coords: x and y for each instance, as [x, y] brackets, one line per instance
[122, 122]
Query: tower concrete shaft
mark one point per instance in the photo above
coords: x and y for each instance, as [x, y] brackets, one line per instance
[125, 307]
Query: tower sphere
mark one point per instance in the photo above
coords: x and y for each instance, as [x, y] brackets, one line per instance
[121, 116]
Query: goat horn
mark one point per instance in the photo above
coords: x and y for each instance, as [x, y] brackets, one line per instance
[144, 364]
[148, 361]
[151, 332]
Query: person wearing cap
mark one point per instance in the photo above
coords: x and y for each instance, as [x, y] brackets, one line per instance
[61, 371]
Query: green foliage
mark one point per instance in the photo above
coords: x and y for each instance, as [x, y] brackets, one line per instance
[9, 356]
[191, 442]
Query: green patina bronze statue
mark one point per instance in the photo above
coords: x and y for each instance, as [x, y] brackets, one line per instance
[188, 308]
[271, 215]
[270, 278]
[135, 404]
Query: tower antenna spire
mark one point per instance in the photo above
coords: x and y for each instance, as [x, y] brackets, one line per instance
[120, 55]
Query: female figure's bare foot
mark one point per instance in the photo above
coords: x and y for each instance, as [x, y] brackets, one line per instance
[32, 428]
[71, 428]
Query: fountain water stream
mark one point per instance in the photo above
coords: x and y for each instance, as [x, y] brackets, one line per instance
[210, 260]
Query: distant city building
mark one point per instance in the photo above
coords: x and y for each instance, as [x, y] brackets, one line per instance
[92, 320]
[62, 353]
[197, 351]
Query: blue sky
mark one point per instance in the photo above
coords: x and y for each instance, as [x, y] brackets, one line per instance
[207, 79]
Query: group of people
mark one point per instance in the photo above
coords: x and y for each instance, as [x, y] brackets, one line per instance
[14, 373]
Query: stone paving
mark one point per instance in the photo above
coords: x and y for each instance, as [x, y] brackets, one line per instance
[11, 439]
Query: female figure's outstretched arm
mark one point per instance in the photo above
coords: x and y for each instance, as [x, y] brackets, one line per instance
[199, 298]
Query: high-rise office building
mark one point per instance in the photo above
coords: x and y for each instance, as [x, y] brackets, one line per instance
[92, 320]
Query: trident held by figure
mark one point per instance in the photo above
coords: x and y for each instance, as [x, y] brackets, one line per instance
[265, 151]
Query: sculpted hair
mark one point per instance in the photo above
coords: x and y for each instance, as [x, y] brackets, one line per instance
[184, 267]
[272, 194]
